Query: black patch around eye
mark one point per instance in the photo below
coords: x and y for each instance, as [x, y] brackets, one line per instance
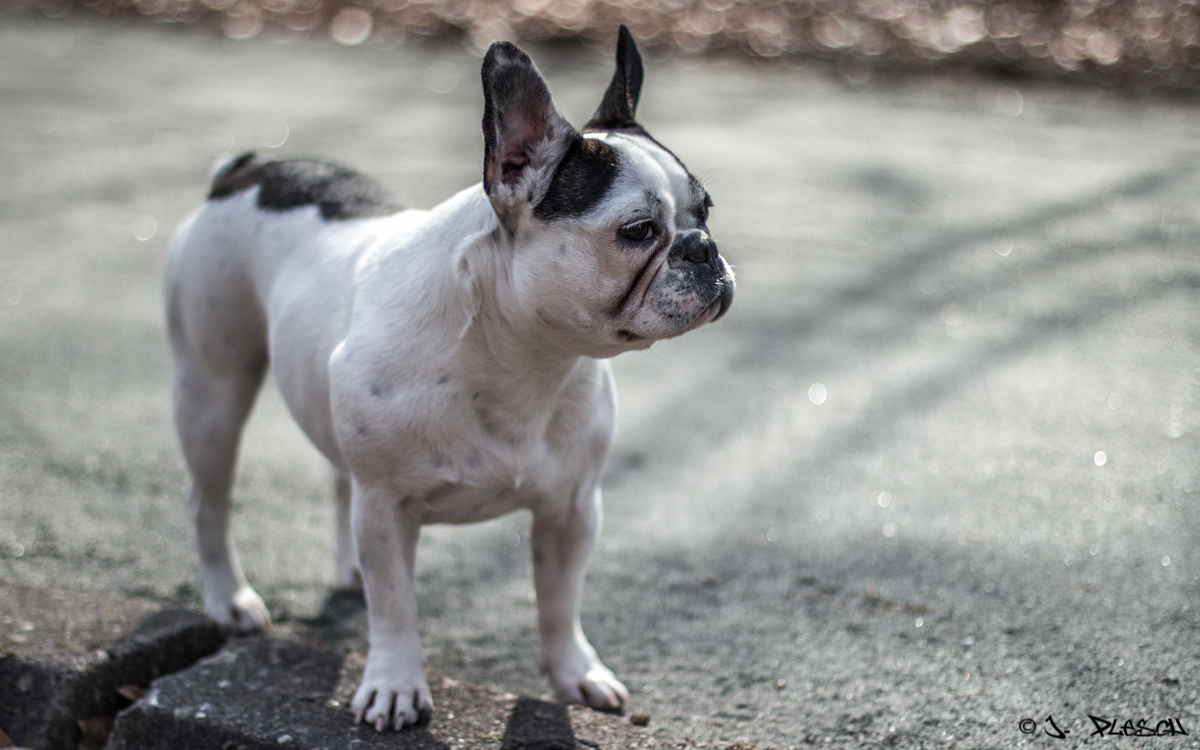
[699, 209]
[580, 181]
[338, 191]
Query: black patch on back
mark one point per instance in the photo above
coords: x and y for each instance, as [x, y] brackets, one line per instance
[581, 180]
[337, 190]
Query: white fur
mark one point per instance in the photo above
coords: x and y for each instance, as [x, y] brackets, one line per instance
[450, 369]
[389, 307]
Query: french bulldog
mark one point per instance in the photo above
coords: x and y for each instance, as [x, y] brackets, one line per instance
[451, 364]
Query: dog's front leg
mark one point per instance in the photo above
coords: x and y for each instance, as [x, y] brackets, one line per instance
[562, 540]
[394, 691]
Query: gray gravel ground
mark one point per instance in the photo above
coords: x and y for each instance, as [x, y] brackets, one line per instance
[989, 301]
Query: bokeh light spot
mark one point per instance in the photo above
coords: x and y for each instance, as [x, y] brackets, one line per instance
[1009, 101]
[441, 77]
[273, 132]
[144, 227]
[1003, 149]
[10, 294]
[244, 25]
[351, 26]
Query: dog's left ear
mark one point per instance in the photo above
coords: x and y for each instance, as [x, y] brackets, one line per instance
[524, 135]
[619, 108]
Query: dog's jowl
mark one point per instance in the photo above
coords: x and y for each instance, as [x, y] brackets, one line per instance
[450, 363]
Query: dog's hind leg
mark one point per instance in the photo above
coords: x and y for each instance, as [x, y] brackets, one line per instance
[347, 577]
[218, 371]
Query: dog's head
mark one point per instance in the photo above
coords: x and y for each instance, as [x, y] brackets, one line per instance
[606, 228]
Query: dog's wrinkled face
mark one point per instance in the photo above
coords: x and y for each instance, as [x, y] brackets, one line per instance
[610, 248]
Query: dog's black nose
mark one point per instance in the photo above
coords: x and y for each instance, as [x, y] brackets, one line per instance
[696, 247]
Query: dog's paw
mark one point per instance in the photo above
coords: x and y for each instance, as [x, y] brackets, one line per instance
[393, 703]
[578, 676]
[244, 612]
[598, 689]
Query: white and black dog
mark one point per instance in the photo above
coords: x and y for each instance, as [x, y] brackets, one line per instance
[449, 363]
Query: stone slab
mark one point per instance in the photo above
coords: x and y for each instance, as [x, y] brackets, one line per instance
[65, 654]
[260, 692]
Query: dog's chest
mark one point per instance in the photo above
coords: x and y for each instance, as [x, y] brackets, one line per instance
[495, 464]
[485, 478]
[463, 443]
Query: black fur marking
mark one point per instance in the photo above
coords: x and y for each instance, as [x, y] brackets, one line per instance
[694, 184]
[517, 112]
[338, 191]
[624, 300]
[581, 180]
[700, 209]
[618, 108]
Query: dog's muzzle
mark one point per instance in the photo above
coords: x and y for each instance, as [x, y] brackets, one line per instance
[696, 254]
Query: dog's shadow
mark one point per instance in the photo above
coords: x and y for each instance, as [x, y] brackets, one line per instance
[538, 725]
[341, 623]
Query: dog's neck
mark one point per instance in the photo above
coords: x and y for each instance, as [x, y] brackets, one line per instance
[520, 373]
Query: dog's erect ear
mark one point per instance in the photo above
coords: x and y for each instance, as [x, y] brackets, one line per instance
[524, 135]
[618, 110]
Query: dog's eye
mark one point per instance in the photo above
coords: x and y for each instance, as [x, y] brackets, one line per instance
[639, 231]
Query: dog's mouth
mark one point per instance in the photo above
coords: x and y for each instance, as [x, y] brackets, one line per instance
[714, 310]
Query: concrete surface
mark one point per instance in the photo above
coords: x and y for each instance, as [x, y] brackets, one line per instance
[70, 660]
[262, 693]
[990, 303]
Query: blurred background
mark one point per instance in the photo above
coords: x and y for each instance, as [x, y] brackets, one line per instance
[1111, 42]
[936, 471]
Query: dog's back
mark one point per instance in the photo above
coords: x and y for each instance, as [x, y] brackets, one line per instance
[234, 252]
[229, 286]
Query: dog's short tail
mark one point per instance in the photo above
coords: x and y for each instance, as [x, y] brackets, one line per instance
[227, 170]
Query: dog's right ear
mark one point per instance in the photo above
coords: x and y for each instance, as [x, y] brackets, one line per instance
[524, 135]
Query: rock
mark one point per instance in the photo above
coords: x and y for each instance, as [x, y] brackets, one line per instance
[260, 692]
[65, 658]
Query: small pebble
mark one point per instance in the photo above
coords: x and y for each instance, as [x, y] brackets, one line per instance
[639, 720]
